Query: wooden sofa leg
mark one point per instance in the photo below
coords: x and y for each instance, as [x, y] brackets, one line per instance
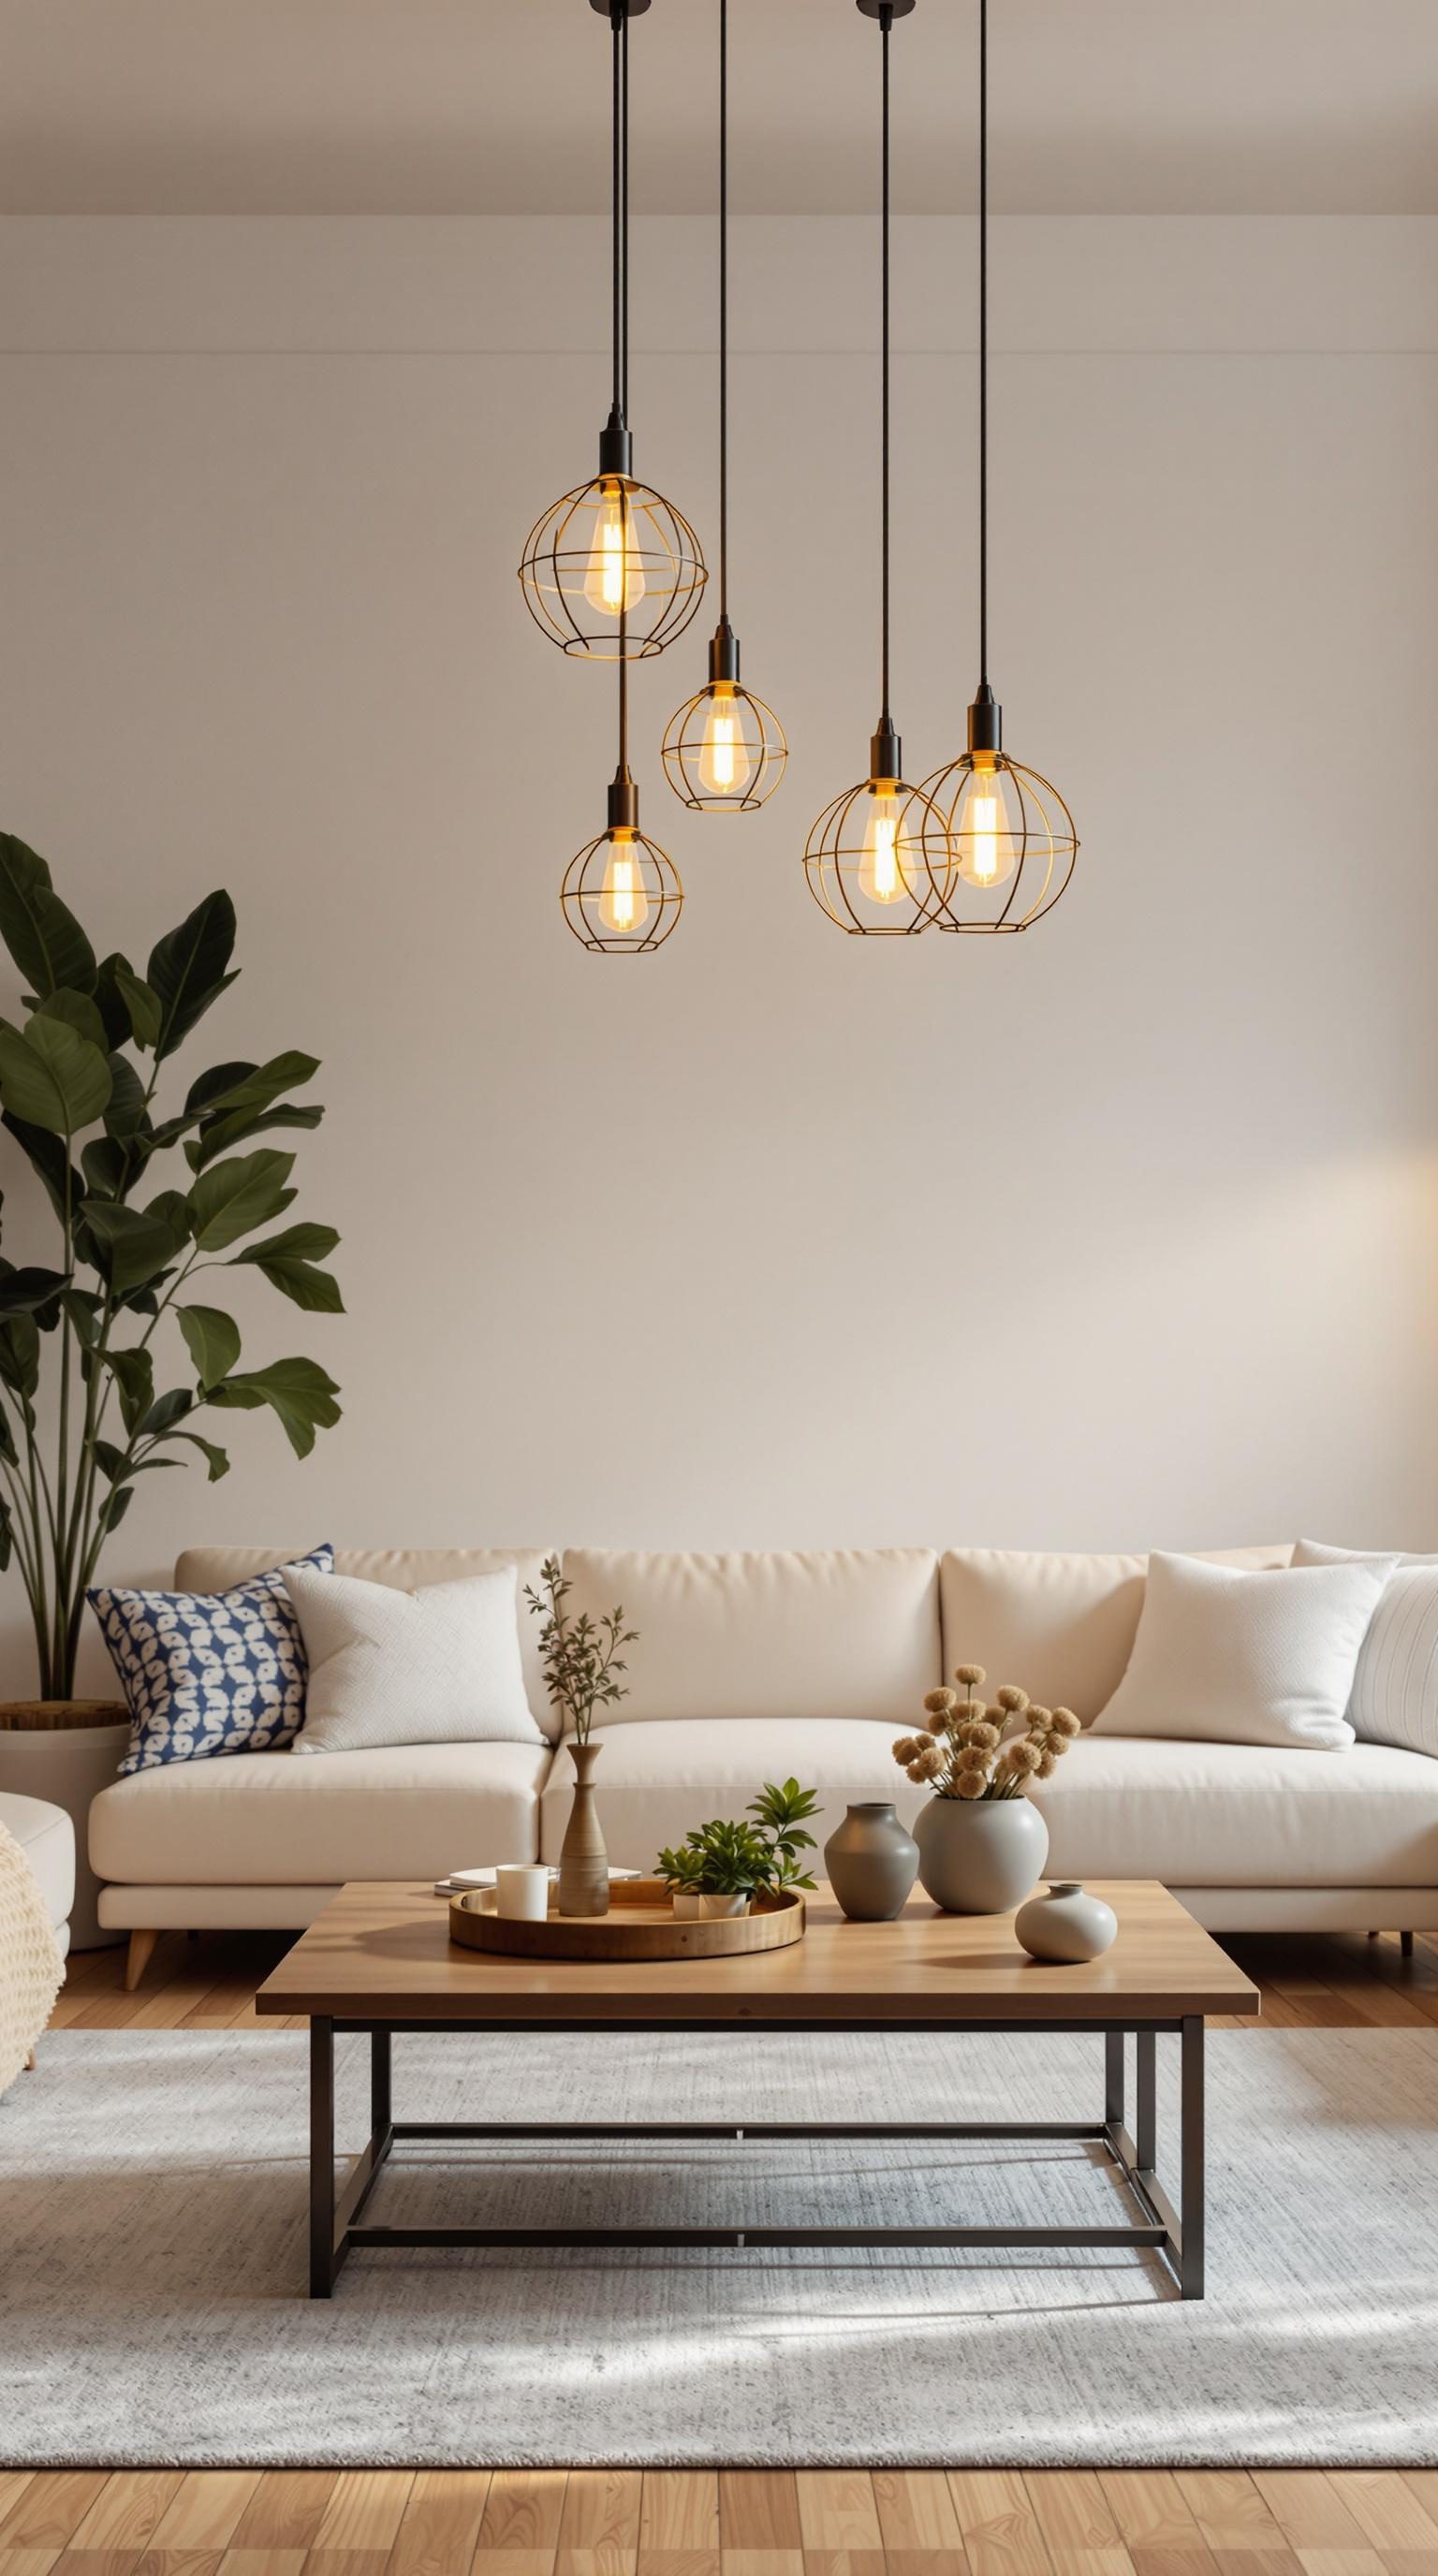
[30, 2063]
[1405, 1944]
[142, 1950]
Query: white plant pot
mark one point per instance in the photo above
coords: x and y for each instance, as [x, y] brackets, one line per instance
[688, 1906]
[723, 1905]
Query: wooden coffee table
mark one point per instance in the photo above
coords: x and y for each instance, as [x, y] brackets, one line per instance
[379, 1960]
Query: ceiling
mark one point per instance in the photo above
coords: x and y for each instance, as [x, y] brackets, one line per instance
[500, 106]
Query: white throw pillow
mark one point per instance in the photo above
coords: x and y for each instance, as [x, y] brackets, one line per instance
[1395, 1686]
[436, 1666]
[1229, 1658]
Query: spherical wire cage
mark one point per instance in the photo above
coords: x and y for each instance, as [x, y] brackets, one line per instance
[998, 844]
[621, 895]
[612, 572]
[724, 752]
[873, 860]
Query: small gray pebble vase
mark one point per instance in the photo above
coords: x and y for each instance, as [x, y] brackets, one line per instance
[1065, 1926]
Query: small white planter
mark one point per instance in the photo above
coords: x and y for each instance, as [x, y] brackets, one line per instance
[725, 1905]
[688, 1905]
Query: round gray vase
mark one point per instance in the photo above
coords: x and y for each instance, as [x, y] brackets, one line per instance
[980, 1855]
[1065, 1926]
[872, 1862]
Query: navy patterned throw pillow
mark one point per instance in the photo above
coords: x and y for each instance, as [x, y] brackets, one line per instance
[208, 1672]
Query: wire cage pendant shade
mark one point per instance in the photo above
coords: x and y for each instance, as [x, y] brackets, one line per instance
[612, 571]
[1002, 849]
[724, 751]
[873, 860]
[621, 894]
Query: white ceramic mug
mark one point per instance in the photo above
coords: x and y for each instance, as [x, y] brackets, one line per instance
[521, 1892]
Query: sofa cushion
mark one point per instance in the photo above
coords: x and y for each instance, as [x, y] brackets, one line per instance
[1061, 1627]
[852, 1633]
[653, 1782]
[208, 1673]
[212, 1568]
[409, 1811]
[1241, 1815]
[436, 1666]
[46, 1836]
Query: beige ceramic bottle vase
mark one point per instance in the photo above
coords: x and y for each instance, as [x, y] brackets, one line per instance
[583, 1861]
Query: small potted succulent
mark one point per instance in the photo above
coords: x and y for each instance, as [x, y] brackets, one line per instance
[722, 1866]
[982, 1843]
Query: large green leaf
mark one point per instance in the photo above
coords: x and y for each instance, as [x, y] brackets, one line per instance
[22, 1292]
[212, 1340]
[127, 1116]
[142, 1003]
[134, 1245]
[265, 1082]
[20, 1353]
[78, 1012]
[106, 1166]
[187, 967]
[51, 1077]
[287, 1261]
[207, 1087]
[299, 1392]
[302, 1242]
[49, 1159]
[166, 1409]
[41, 933]
[231, 1199]
[173, 1209]
[218, 1135]
[134, 1375]
[215, 1459]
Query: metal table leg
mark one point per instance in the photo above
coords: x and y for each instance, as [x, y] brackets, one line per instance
[322, 2157]
[1190, 2270]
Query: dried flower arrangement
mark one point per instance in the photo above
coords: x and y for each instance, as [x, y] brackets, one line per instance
[974, 1750]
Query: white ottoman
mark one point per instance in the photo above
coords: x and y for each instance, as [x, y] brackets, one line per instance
[46, 1836]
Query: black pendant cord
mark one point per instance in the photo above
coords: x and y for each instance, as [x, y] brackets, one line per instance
[723, 312]
[624, 213]
[983, 343]
[616, 389]
[886, 20]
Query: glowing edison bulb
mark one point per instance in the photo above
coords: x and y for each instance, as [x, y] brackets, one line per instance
[983, 845]
[881, 874]
[724, 763]
[623, 903]
[614, 581]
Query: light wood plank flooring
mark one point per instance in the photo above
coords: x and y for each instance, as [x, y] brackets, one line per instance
[725, 2522]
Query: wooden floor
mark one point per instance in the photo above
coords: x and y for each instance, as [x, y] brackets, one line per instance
[701, 2522]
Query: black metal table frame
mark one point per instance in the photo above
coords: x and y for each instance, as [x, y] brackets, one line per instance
[337, 2202]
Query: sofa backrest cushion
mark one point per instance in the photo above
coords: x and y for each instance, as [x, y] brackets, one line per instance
[848, 1633]
[214, 1569]
[1061, 1627]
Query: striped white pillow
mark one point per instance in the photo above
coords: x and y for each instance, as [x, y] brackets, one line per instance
[1395, 1682]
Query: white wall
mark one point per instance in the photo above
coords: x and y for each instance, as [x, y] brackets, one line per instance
[1120, 1233]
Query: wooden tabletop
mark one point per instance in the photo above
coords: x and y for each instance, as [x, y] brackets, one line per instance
[381, 1951]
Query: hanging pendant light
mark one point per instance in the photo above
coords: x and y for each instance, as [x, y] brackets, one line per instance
[621, 894]
[613, 571]
[724, 752]
[1005, 845]
[868, 860]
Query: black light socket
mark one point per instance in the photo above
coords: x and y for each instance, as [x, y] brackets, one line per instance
[986, 721]
[724, 653]
[616, 447]
[886, 752]
[623, 803]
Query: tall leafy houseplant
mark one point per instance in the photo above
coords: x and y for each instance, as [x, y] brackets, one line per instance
[79, 1085]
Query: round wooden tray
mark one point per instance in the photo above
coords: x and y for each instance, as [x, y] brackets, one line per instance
[640, 1924]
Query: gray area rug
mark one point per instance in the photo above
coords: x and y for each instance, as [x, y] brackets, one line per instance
[152, 2263]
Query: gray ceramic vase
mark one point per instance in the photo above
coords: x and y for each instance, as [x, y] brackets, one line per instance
[980, 1855]
[1065, 1926]
[871, 1862]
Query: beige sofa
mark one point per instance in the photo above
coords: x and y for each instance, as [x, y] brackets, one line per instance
[752, 1667]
